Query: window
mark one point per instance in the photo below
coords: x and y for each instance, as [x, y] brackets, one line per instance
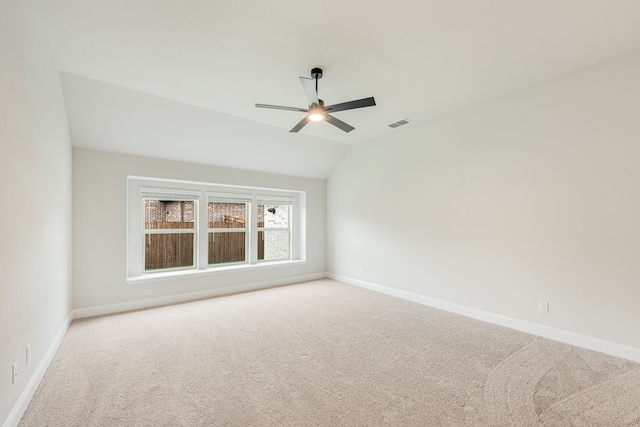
[169, 232]
[177, 227]
[227, 228]
[274, 229]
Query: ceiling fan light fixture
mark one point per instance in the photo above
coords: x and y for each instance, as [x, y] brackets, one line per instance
[316, 113]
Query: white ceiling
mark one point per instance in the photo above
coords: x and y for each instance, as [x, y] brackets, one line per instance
[179, 79]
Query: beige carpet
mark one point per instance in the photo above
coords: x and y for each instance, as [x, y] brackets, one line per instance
[324, 354]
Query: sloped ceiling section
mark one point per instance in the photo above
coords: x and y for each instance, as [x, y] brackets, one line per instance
[112, 118]
[420, 59]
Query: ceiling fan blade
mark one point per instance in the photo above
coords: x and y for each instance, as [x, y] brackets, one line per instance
[300, 124]
[365, 102]
[339, 123]
[280, 107]
[309, 86]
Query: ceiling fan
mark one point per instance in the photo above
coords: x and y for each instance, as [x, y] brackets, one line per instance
[317, 111]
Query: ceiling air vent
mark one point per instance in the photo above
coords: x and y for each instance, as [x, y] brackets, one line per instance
[399, 123]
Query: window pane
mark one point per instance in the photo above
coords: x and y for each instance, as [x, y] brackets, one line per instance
[227, 215]
[227, 247]
[273, 245]
[164, 251]
[273, 216]
[274, 241]
[159, 214]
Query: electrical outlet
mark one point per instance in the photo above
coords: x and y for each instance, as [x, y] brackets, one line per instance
[543, 306]
[27, 356]
[14, 372]
[147, 292]
[362, 269]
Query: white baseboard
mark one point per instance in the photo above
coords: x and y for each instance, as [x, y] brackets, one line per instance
[191, 296]
[23, 401]
[602, 346]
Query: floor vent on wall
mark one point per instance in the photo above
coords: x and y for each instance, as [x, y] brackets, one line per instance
[399, 123]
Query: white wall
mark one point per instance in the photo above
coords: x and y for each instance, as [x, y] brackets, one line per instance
[99, 231]
[535, 196]
[35, 196]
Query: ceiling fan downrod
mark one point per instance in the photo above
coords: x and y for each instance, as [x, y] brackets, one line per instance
[316, 74]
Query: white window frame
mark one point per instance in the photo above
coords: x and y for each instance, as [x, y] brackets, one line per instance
[232, 198]
[202, 192]
[172, 195]
[280, 201]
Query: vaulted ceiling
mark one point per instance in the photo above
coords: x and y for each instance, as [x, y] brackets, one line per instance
[180, 79]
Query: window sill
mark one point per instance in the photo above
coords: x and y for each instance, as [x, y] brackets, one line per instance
[169, 275]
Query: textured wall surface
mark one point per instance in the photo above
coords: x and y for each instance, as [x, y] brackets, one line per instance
[100, 253]
[530, 197]
[35, 174]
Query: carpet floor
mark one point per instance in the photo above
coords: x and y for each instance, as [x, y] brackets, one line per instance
[324, 353]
